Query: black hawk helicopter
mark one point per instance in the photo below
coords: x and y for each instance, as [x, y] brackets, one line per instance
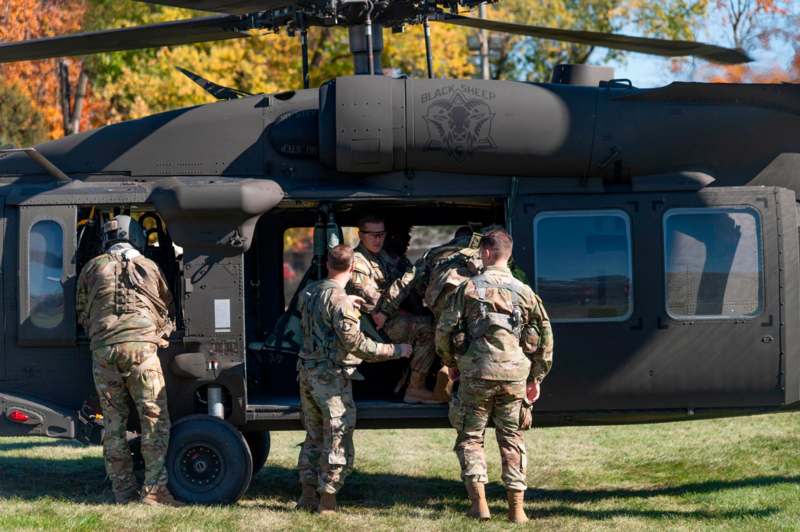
[660, 226]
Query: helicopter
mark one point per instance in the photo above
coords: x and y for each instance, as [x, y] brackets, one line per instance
[660, 227]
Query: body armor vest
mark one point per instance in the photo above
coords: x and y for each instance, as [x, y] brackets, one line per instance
[510, 322]
[132, 294]
[318, 335]
[450, 267]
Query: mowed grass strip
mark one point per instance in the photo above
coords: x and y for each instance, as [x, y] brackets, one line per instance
[731, 474]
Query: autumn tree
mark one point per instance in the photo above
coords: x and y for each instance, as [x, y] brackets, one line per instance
[20, 123]
[534, 59]
[757, 25]
[54, 87]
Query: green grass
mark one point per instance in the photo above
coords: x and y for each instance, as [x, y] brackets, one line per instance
[741, 474]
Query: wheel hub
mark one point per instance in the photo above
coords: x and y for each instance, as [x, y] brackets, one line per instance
[201, 466]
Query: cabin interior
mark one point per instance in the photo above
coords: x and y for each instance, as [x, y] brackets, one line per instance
[281, 260]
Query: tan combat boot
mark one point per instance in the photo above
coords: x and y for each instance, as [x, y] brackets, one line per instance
[327, 504]
[444, 386]
[417, 392]
[477, 496]
[158, 496]
[516, 506]
[309, 499]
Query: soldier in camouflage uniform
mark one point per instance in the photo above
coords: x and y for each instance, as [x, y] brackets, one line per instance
[333, 346]
[123, 303]
[509, 351]
[373, 271]
[433, 278]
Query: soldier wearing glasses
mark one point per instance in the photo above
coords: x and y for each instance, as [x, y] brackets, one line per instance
[373, 271]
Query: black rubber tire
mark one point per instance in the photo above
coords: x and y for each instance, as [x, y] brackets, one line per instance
[259, 443]
[208, 461]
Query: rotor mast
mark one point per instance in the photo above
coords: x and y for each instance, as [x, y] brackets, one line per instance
[360, 41]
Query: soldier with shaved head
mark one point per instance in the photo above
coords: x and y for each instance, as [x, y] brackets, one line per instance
[509, 351]
[333, 347]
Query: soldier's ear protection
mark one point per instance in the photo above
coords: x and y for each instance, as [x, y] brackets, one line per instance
[123, 228]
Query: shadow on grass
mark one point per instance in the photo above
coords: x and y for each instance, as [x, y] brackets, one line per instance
[376, 491]
[50, 442]
[80, 480]
[83, 481]
[710, 486]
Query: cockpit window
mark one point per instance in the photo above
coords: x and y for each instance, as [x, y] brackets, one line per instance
[583, 265]
[45, 273]
[713, 262]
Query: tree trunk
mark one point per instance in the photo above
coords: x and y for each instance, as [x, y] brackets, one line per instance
[64, 94]
[71, 108]
[80, 98]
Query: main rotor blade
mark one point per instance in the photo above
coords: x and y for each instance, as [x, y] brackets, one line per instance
[234, 7]
[180, 32]
[646, 45]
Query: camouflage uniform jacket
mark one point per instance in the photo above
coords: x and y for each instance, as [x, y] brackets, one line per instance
[418, 277]
[123, 297]
[507, 327]
[371, 275]
[331, 329]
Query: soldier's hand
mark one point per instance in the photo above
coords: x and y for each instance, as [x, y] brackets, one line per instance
[356, 301]
[379, 318]
[454, 374]
[405, 350]
[533, 390]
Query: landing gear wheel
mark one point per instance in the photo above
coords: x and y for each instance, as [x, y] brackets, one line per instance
[259, 443]
[208, 462]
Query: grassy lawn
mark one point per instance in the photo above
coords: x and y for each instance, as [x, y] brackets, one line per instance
[739, 474]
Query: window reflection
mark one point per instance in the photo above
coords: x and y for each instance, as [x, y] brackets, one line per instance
[712, 262]
[45, 270]
[583, 265]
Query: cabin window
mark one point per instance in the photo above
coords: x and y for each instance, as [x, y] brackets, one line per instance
[45, 274]
[713, 262]
[582, 261]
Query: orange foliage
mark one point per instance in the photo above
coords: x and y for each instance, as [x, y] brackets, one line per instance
[757, 22]
[29, 19]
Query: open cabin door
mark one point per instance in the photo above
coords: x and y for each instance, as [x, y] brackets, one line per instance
[658, 300]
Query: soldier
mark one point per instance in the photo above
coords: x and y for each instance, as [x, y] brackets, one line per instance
[124, 304]
[418, 277]
[433, 278]
[509, 341]
[373, 271]
[333, 346]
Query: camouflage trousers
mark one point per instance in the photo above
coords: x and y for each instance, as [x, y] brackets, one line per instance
[132, 369]
[476, 402]
[329, 416]
[417, 331]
